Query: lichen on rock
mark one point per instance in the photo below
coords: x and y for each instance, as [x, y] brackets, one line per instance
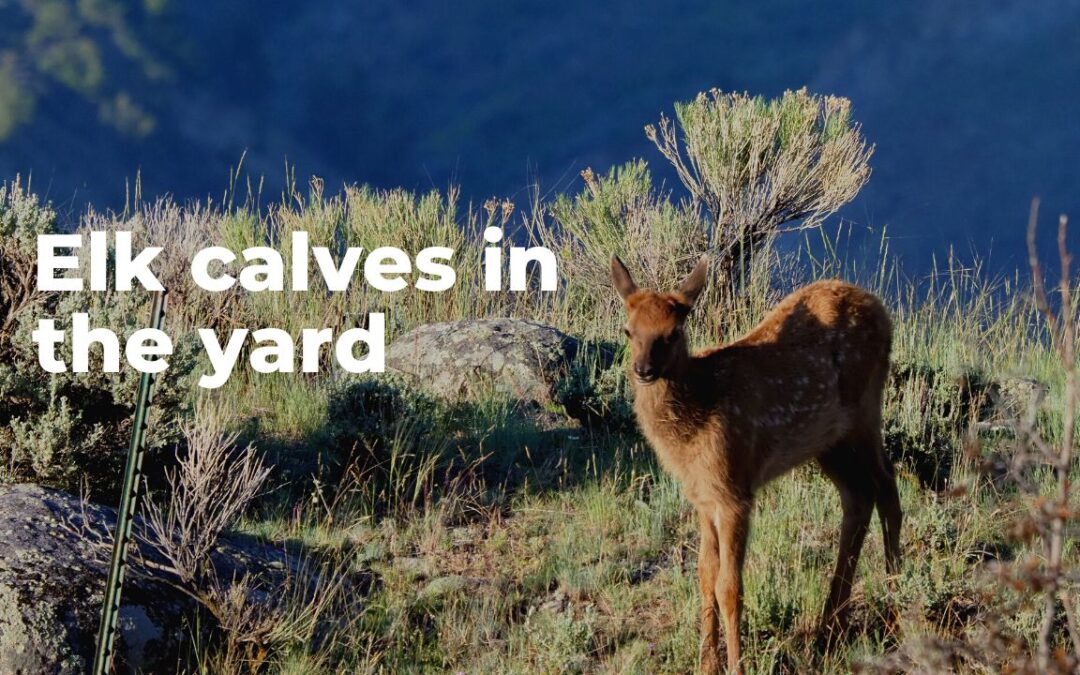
[522, 360]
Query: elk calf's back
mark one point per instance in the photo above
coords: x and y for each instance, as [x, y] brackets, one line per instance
[805, 384]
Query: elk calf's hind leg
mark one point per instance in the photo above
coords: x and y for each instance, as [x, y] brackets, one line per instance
[857, 511]
[890, 514]
[844, 469]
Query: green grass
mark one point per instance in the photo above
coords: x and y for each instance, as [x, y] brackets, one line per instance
[600, 578]
[561, 551]
[498, 542]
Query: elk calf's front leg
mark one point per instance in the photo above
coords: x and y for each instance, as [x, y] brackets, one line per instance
[708, 570]
[732, 529]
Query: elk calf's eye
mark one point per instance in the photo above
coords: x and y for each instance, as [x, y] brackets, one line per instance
[626, 332]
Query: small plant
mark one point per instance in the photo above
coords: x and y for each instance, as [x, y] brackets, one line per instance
[22, 219]
[385, 445]
[597, 396]
[622, 213]
[928, 413]
[370, 408]
[1044, 578]
[211, 485]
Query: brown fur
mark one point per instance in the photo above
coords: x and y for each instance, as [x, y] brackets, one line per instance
[805, 384]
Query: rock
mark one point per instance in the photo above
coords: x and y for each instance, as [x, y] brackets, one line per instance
[1013, 397]
[440, 589]
[1009, 403]
[469, 359]
[53, 567]
[557, 601]
[414, 568]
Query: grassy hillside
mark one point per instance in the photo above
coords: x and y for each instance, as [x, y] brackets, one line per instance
[971, 110]
[501, 539]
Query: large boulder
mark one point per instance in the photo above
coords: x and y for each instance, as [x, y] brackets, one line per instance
[469, 359]
[54, 552]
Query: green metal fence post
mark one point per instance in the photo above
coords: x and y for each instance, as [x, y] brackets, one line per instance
[129, 504]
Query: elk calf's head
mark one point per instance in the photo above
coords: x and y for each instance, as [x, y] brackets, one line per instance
[655, 321]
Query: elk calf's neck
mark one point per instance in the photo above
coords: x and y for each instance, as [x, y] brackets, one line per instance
[805, 384]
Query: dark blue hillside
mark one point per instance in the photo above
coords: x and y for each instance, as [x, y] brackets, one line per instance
[972, 112]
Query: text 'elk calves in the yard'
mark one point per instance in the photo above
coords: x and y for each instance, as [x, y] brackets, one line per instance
[805, 384]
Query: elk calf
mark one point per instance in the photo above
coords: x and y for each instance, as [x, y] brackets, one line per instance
[805, 384]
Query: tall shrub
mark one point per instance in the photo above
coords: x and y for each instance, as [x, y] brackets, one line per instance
[757, 165]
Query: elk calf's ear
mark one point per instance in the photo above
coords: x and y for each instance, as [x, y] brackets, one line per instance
[621, 278]
[693, 285]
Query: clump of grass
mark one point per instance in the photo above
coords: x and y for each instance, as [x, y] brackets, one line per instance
[1029, 622]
